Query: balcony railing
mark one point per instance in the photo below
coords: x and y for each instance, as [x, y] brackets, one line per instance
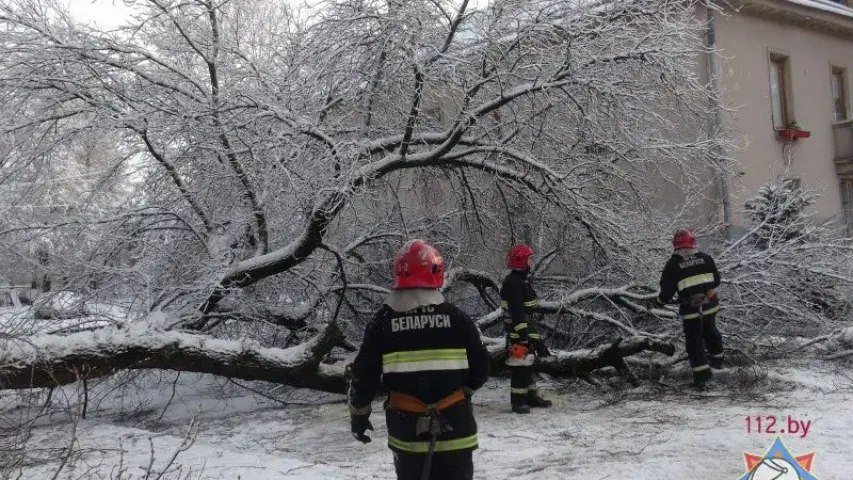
[843, 137]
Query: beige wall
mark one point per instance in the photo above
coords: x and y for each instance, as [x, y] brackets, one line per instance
[746, 42]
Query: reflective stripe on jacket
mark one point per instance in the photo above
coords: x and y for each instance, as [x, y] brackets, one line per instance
[519, 301]
[428, 352]
[692, 276]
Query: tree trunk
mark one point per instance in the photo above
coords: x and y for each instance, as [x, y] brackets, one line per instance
[581, 362]
[51, 360]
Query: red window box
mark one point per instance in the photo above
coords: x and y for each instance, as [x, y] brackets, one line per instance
[793, 133]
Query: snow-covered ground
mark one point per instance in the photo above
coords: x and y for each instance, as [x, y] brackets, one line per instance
[644, 433]
[18, 321]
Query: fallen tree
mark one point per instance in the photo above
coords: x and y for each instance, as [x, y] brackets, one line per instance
[45, 361]
[579, 363]
[53, 360]
[626, 298]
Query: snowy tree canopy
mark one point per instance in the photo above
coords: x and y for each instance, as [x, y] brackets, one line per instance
[255, 142]
[250, 168]
[218, 188]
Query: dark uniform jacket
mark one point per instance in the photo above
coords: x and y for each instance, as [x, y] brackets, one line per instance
[519, 301]
[692, 275]
[428, 352]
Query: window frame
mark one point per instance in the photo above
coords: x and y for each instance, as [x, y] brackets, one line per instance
[839, 72]
[782, 60]
[846, 188]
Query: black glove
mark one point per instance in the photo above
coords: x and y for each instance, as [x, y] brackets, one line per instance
[541, 349]
[469, 392]
[360, 424]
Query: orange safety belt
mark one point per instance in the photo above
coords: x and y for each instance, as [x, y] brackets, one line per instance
[410, 403]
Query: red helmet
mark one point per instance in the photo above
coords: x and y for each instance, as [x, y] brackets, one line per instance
[683, 239]
[518, 256]
[418, 265]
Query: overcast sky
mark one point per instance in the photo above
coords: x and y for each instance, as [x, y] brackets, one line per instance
[107, 13]
[111, 13]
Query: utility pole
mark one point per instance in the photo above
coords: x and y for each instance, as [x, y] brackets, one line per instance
[717, 151]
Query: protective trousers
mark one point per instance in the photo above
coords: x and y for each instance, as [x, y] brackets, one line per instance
[699, 334]
[521, 385]
[445, 465]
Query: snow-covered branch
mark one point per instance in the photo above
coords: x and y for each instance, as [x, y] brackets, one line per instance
[51, 360]
[568, 304]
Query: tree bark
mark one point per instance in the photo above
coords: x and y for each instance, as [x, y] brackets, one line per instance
[581, 362]
[52, 360]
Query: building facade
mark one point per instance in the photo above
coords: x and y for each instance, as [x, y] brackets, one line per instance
[785, 71]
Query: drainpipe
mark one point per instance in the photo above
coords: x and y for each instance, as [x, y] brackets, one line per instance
[717, 153]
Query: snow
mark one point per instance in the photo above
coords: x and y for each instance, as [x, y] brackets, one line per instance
[202, 457]
[588, 435]
[266, 260]
[26, 350]
[490, 318]
[845, 336]
[63, 301]
[20, 321]
[826, 6]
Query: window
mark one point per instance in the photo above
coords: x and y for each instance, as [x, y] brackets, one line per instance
[780, 91]
[839, 93]
[847, 204]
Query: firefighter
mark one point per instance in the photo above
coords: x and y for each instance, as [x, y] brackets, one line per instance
[693, 276]
[524, 341]
[429, 355]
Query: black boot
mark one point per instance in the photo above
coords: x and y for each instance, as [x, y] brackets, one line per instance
[520, 408]
[535, 401]
[701, 379]
[716, 363]
[699, 386]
